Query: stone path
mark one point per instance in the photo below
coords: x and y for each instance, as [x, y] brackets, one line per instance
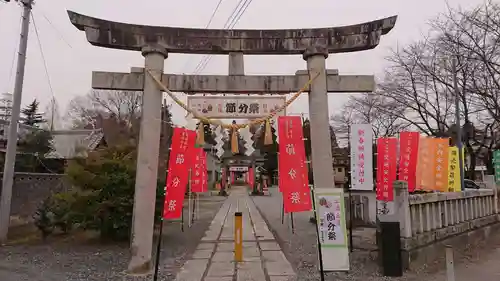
[213, 260]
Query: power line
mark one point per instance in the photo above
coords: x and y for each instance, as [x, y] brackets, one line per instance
[207, 58]
[56, 30]
[43, 55]
[231, 21]
[206, 26]
[213, 14]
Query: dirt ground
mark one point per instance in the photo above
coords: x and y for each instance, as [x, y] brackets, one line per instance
[82, 257]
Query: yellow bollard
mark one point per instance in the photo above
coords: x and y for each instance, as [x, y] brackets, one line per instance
[238, 236]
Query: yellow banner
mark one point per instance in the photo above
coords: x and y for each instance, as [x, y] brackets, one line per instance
[440, 159]
[454, 169]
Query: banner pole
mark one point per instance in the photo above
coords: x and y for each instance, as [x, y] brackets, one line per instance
[293, 225]
[182, 219]
[320, 252]
[282, 209]
[158, 251]
[158, 244]
[190, 211]
[195, 209]
[198, 209]
[351, 221]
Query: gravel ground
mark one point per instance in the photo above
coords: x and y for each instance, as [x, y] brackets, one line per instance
[73, 258]
[301, 250]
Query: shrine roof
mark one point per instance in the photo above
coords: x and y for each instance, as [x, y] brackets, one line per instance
[116, 35]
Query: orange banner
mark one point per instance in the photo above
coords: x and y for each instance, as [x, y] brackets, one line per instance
[428, 152]
[440, 159]
[422, 146]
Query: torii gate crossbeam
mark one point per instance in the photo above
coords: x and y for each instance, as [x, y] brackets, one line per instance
[232, 84]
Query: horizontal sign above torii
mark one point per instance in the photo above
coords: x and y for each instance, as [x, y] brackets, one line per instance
[238, 169]
[235, 107]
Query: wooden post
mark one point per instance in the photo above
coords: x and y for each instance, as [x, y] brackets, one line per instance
[238, 237]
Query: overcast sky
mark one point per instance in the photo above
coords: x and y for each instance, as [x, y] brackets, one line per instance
[71, 59]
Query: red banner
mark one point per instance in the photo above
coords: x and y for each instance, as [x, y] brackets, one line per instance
[297, 201]
[293, 177]
[250, 178]
[408, 153]
[181, 157]
[386, 162]
[197, 174]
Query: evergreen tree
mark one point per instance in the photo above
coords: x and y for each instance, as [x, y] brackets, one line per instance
[306, 130]
[209, 134]
[31, 116]
[37, 142]
[270, 152]
[35, 145]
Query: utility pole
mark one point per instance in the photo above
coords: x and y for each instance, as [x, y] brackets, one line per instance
[10, 158]
[457, 122]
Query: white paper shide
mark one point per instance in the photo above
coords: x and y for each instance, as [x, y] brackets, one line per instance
[361, 142]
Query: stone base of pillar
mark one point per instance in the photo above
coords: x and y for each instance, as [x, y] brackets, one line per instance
[140, 270]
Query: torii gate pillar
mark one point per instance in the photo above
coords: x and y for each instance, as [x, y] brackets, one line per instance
[147, 159]
[321, 144]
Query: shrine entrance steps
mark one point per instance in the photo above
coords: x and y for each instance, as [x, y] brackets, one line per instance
[213, 259]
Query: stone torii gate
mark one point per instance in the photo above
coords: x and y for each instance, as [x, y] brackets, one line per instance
[156, 42]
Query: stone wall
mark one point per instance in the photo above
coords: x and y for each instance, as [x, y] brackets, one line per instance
[429, 221]
[30, 189]
[460, 237]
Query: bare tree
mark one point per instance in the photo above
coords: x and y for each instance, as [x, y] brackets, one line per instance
[473, 37]
[368, 109]
[342, 121]
[419, 82]
[417, 97]
[124, 105]
[53, 116]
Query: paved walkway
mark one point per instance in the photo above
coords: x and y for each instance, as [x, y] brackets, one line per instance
[213, 260]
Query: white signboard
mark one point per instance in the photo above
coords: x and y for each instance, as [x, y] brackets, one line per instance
[238, 169]
[361, 157]
[231, 107]
[330, 211]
